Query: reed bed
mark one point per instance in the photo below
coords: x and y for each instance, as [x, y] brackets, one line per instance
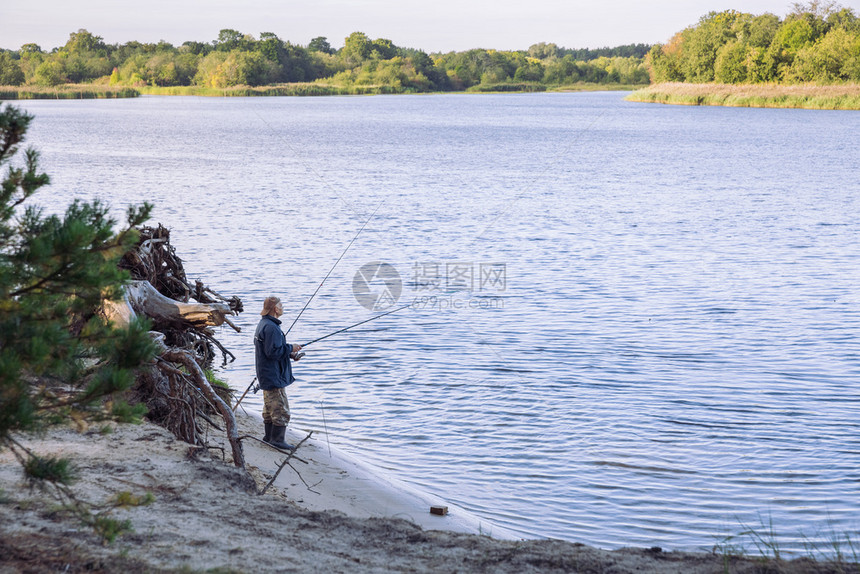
[66, 92]
[508, 87]
[538, 87]
[297, 89]
[593, 87]
[806, 96]
[324, 89]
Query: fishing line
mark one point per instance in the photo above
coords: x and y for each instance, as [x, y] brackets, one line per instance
[300, 355]
[325, 426]
[510, 203]
[304, 164]
[557, 158]
[325, 183]
[310, 168]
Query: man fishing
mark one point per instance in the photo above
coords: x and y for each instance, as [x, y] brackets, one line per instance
[274, 371]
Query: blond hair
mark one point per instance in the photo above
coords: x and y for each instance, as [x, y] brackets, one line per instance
[269, 305]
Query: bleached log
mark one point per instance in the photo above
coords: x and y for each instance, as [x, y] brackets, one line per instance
[141, 298]
[119, 313]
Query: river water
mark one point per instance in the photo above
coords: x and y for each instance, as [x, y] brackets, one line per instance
[632, 324]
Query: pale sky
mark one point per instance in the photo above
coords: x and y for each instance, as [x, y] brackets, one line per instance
[430, 25]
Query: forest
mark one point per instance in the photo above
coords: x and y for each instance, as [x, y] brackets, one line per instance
[818, 42]
[237, 59]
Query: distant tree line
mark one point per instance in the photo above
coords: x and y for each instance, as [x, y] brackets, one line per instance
[235, 59]
[545, 64]
[817, 42]
[626, 51]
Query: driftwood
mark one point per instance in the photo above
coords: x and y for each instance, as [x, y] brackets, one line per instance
[175, 389]
[188, 309]
[155, 261]
[286, 462]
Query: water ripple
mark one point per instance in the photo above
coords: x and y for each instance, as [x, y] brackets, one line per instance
[674, 356]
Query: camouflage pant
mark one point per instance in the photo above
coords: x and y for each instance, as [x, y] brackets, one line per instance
[276, 409]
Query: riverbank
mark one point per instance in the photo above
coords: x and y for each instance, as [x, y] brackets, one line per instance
[806, 96]
[206, 515]
[98, 91]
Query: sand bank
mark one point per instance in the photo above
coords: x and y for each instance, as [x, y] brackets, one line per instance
[207, 515]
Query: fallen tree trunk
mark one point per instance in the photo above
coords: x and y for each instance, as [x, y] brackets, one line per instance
[184, 324]
[144, 299]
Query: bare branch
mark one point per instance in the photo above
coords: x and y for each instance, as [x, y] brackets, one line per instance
[286, 463]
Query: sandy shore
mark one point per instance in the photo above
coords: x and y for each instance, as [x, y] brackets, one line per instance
[329, 515]
[327, 479]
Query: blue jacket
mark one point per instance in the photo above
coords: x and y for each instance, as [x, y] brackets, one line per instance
[272, 355]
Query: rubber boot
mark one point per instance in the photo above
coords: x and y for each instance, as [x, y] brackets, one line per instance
[268, 436]
[277, 439]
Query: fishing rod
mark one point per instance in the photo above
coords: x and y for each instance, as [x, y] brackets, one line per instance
[333, 266]
[299, 355]
[375, 317]
[236, 406]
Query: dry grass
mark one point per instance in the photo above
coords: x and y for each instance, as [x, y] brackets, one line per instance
[807, 96]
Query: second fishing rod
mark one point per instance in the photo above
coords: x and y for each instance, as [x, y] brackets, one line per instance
[300, 354]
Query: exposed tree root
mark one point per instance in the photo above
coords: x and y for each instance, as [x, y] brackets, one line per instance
[176, 390]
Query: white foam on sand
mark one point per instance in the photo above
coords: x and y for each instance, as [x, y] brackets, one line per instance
[333, 480]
